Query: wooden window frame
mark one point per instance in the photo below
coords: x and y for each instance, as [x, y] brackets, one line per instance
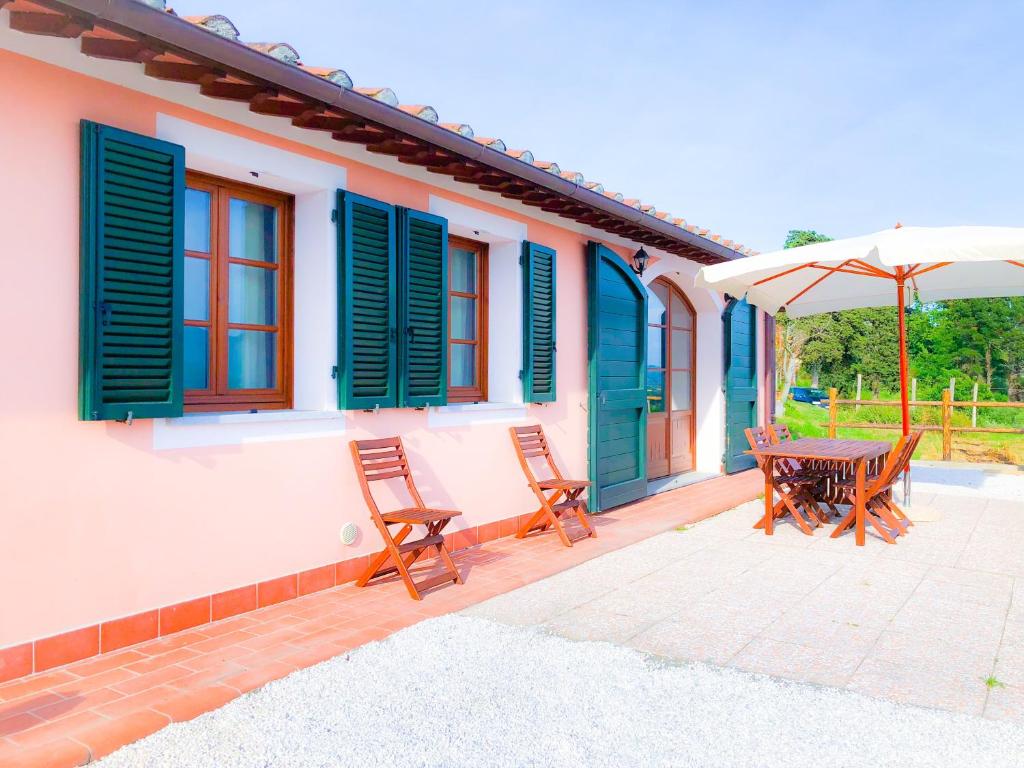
[478, 392]
[217, 396]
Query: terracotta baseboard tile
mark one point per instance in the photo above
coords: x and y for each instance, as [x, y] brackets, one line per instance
[350, 570]
[191, 613]
[67, 647]
[233, 602]
[15, 662]
[277, 590]
[316, 579]
[129, 630]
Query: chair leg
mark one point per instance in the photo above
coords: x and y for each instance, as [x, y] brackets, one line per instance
[796, 515]
[887, 517]
[581, 514]
[381, 557]
[877, 525]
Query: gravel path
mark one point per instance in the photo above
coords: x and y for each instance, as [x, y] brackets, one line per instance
[462, 691]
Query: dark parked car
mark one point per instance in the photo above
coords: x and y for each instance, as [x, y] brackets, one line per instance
[810, 395]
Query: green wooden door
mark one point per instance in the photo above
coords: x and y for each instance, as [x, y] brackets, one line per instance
[740, 382]
[617, 314]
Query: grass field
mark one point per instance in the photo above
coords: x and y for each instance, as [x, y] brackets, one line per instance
[806, 420]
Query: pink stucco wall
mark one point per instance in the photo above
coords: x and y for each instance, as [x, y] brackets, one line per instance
[96, 524]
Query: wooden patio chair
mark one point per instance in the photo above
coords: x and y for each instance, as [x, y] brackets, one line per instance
[385, 459]
[558, 496]
[880, 509]
[793, 484]
[823, 493]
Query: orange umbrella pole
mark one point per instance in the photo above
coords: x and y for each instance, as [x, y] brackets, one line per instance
[901, 304]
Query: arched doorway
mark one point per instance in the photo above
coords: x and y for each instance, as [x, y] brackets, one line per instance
[671, 382]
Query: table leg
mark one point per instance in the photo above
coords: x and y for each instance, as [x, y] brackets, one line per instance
[769, 495]
[860, 469]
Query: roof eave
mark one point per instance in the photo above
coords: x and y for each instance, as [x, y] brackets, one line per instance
[178, 35]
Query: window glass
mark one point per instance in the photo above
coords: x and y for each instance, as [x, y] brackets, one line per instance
[197, 289]
[463, 319]
[681, 341]
[197, 220]
[681, 390]
[656, 391]
[657, 302]
[253, 231]
[252, 295]
[655, 347]
[463, 270]
[251, 359]
[197, 357]
[463, 365]
[681, 315]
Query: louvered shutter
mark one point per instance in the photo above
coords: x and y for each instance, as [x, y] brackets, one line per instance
[132, 260]
[367, 303]
[423, 255]
[539, 323]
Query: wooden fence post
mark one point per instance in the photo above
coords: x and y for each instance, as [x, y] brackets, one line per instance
[833, 410]
[974, 409]
[947, 425]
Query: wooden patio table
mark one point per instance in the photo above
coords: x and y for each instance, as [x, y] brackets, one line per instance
[807, 449]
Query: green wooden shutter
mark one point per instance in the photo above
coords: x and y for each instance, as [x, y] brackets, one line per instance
[367, 304]
[132, 259]
[423, 256]
[539, 330]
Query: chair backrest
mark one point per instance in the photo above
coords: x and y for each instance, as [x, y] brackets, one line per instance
[759, 440]
[894, 464]
[531, 443]
[382, 459]
[780, 432]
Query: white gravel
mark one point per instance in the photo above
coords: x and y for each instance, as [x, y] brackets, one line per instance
[462, 691]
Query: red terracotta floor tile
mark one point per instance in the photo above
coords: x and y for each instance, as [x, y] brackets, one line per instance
[60, 753]
[56, 718]
[104, 737]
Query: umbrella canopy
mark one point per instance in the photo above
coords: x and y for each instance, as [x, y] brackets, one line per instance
[934, 262]
[878, 270]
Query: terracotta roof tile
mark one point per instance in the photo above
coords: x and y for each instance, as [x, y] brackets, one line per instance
[280, 51]
[521, 154]
[422, 111]
[460, 128]
[219, 25]
[497, 144]
[380, 94]
[223, 26]
[336, 76]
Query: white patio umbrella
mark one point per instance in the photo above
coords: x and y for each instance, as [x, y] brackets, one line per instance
[878, 270]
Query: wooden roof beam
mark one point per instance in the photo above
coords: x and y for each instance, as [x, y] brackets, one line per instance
[49, 23]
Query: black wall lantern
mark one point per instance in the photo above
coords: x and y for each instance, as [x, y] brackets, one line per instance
[640, 259]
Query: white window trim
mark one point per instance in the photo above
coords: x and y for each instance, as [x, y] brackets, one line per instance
[504, 238]
[314, 342]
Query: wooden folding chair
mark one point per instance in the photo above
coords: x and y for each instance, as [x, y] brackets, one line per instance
[823, 492]
[793, 485]
[880, 510]
[385, 459]
[530, 443]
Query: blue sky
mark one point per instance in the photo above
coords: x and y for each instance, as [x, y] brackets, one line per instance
[748, 118]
